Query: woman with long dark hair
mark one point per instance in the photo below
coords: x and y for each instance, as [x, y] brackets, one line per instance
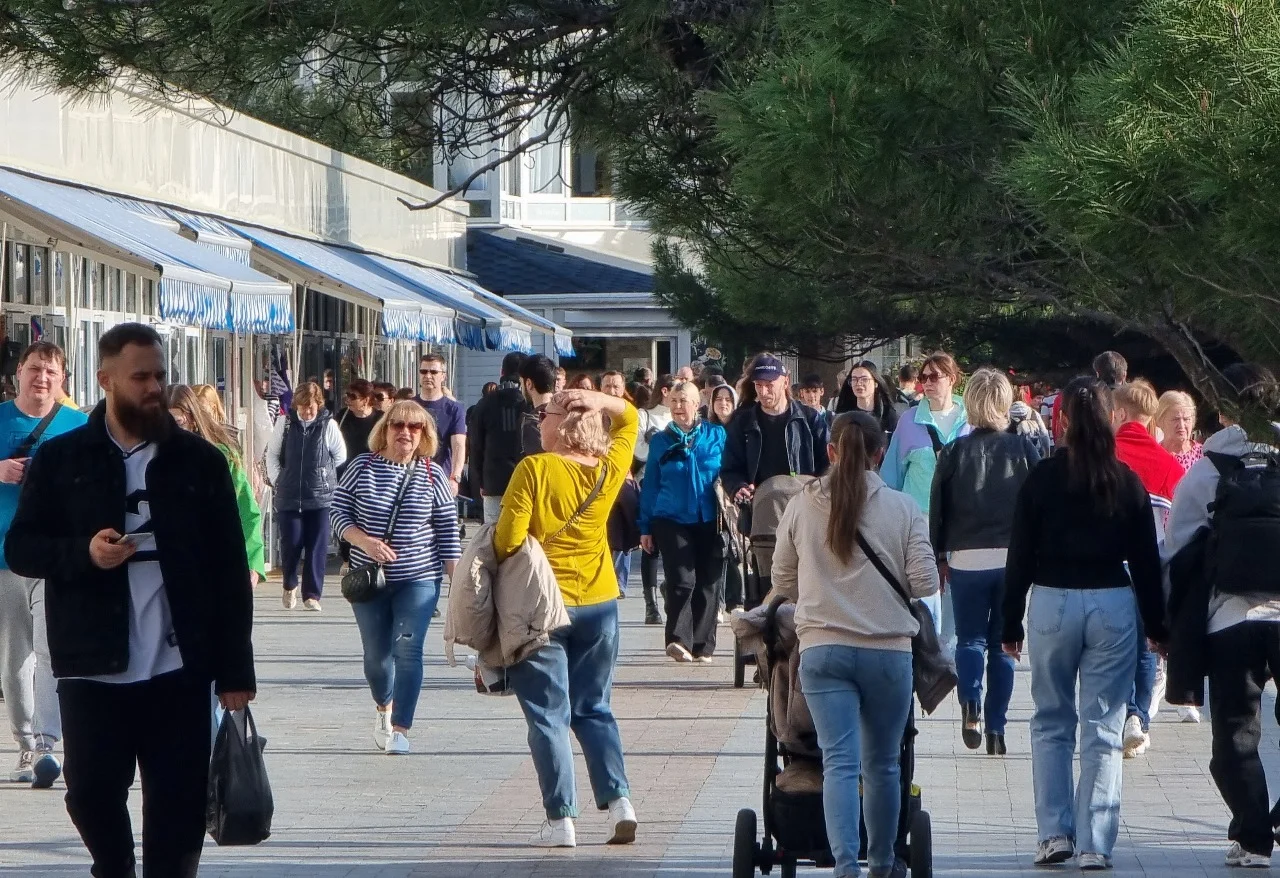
[864, 390]
[1085, 538]
[855, 632]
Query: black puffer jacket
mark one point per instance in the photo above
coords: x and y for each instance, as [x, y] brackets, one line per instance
[75, 487]
[498, 438]
[975, 488]
[308, 473]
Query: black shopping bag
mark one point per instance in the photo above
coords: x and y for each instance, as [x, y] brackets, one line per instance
[240, 806]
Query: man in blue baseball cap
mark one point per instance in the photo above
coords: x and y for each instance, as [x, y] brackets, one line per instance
[771, 434]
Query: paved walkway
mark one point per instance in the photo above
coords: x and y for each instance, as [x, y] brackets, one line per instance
[466, 801]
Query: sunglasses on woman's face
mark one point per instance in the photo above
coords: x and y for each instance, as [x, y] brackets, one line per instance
[411, 426]
[929, 377]
[379, 397]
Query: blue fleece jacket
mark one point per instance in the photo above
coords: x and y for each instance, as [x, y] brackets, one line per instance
[683, 488]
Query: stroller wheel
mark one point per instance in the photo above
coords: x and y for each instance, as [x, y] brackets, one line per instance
[745, 849]
[921, 845]
[739, 666]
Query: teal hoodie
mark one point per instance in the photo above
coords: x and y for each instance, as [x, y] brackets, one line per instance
[910, 462]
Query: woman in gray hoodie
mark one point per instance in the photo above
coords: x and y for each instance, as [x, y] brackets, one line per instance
[855, 632]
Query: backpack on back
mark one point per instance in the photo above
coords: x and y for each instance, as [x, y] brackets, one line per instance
[1245, 524]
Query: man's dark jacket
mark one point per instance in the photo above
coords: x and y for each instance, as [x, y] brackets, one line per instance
[807, 436]
[74, 488]
[496, 438]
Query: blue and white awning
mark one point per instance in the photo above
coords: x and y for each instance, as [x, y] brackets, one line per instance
[563, 338]
[196, 285]
[406, 314]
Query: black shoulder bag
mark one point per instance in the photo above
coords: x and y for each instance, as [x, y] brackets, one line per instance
[933, 674]
[366, 582]
[25, 447]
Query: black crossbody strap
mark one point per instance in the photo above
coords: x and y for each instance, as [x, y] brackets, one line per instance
[24, 449]
[879, 564]
[935, 438]
[395, 507]
[595, 492]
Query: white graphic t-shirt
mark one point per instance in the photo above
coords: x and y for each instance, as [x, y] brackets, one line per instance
[153, 645]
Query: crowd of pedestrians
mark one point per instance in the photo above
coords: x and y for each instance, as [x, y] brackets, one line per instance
[1076, 530]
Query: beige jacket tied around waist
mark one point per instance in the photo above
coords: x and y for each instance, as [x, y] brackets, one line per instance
[852, 604]
[505, 612]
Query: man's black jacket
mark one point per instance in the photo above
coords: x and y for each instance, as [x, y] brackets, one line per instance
[74, 488]
[496, 438]
[807, 435]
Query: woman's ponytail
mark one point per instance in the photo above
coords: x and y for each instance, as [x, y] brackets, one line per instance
[1092, 466]
[856, 437]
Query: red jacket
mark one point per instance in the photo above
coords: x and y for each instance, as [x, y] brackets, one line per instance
[1158, 470]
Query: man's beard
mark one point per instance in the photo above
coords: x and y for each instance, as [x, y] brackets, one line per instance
[149, 423]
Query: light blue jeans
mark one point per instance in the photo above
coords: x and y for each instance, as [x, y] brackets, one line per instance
[568, 685]
[393, 627]
[859, 699]
[1088, 635]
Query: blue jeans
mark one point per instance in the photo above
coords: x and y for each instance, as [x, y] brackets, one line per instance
[976, 597]
[859, 699]
[393, 627]
[1088, 635]
[1144, 681]
[622, 568]
[567, 685]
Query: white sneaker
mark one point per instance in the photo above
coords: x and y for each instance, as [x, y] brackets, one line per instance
[1135, 740]
[1157, 689]
[679, 653]
[703, 659]
[381, 728]
[1189, 714]
[311, 604]
[398, 745]
[623, 817]
[289, 598]
[1090, 862]
[1239, 858]
[556, 834]
[1054, 850]
[24, 772]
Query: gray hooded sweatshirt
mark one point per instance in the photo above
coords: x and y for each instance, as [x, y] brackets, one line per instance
[1195, 492]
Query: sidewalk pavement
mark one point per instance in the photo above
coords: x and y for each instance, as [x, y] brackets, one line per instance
[464, 804]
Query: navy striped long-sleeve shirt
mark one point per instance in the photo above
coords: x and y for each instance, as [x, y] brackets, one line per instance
[426, 533]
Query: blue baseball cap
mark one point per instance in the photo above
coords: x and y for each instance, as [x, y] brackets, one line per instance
[768, 369]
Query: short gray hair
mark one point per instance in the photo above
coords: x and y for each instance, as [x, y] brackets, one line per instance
[988, 396]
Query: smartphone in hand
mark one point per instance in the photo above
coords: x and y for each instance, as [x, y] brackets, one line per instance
[135, 540]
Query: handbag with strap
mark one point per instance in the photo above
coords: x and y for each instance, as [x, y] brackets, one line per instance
[933, 674]
[24, 448]
[366, 582]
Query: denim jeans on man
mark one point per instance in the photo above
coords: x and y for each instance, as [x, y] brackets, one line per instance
[567, 685]
[859, 699]
[1144, 681]
[976, 597]
[392, 628]
[492, 509]
[1087, 635]
[622, 569]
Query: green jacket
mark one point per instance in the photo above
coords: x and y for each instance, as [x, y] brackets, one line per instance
[250, 514]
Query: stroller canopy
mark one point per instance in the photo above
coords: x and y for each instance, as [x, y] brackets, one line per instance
[771, 501]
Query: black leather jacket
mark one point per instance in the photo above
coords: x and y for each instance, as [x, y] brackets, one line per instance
[74, 488]
[975, 488]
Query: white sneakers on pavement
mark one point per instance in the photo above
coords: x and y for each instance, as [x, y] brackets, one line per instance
[1135, 740]
[45, 771]
[289, 598]
[382, 728]
[679, 653]
[1053, 851]
[1189, 714]
[1239, 858]
[24, 771]
[311, 604]
[623, 818]
[556, 834]
[398, 745]
[1089, 862]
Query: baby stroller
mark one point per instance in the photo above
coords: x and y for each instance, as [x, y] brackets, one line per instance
[794, 824]
[758, 526]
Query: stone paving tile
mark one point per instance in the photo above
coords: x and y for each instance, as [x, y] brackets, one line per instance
[464, 804]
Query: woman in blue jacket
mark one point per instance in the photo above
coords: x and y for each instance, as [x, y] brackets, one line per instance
[679, 519]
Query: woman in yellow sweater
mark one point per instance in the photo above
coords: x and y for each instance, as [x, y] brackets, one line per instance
[568, 683]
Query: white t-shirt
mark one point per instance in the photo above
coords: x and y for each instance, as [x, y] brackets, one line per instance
[153, 645]
[946, 421]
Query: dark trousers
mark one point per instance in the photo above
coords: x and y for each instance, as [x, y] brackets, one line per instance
[1241, 659]
[304, 532]
[649, 571]
[162, 726]
[692, 560]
